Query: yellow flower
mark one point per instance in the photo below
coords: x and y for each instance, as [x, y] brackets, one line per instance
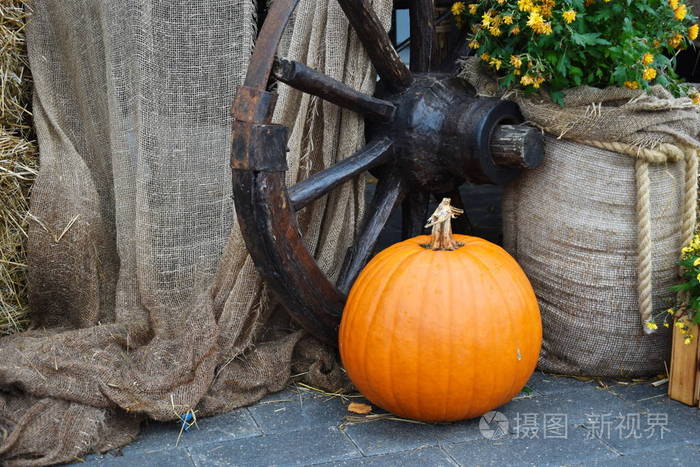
[687, 340]
[486, 20]
[649, 73]
[675, 41]
[680, 12]
[515, 31]
[693, 32]
[526, 80]
[516, 61]
[695, 98]
[697, 260]
[673, 4]
[474, 44]
[671, 311]
[569, 16]
[457, 8]
[508, 19]
[525, 5]
[698, 277]
[496, 63]
[666, 325]
[535, 19]
[647, 59]
[632, 84]
[537, 23]
[485, 57]
[651, 325]
[473, 7]
[679, 324]
[495, 31]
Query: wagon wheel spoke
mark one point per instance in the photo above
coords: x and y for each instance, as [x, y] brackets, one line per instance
[305, 79]
[374, 154]
[414, 214]
[390, 192]
[377, 44]
[422, 34]
[462, 224]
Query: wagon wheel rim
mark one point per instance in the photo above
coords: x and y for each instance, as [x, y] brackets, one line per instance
[266, 208]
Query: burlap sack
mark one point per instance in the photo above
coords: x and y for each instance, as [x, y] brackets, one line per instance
[598, 228]
[145, 300]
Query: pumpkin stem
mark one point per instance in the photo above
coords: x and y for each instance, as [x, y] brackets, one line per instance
[441, 222]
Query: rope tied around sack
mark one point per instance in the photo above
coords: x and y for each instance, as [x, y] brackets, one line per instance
[661, 154]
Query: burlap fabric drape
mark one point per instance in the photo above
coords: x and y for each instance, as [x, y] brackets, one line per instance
[146, 304]
[598, 228]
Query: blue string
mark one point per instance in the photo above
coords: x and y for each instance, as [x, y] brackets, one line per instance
[187, 421]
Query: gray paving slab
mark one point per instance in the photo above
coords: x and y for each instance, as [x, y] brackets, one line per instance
[178, 457]
[229, 426]
[157, 436]
[681, 456]
[543, 383]
[298, 411]
[643, 392]
[386, 436]
[302, 447]
[434, 457]
[576, 404]
[518, 451]
[650, 424]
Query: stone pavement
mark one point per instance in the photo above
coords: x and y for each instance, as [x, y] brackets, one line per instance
[555, 421]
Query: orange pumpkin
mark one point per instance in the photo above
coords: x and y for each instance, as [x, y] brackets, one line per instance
[441, 329]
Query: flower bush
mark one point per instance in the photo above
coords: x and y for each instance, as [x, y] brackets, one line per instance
[688, 309]
[559, 44]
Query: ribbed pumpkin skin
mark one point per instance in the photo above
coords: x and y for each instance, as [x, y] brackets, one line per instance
[441, 335]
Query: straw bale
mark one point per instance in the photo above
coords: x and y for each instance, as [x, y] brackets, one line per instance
[18, 164]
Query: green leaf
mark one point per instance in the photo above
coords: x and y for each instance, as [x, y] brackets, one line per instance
[557, 97]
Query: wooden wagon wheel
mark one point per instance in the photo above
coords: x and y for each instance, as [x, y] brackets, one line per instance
[427, 134]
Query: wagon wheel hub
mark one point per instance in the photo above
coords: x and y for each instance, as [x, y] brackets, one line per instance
[443, 135]
[427, 134]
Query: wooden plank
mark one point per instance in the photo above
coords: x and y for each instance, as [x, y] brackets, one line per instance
[682, 384]
[697, 368]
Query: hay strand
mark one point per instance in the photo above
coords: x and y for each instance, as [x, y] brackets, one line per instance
[18, 164]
